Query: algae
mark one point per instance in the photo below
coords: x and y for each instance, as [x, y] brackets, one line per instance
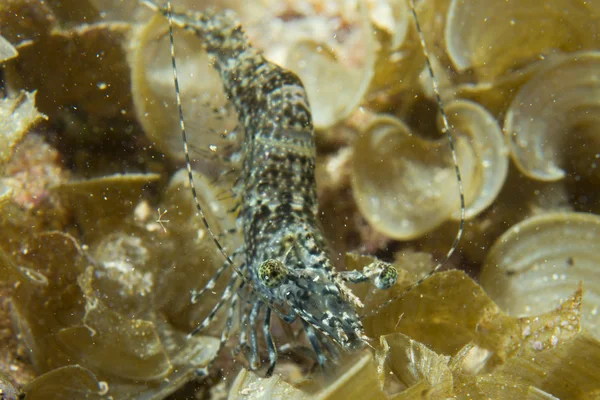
[101, 247]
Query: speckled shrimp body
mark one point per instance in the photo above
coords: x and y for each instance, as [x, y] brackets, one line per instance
[286, 265]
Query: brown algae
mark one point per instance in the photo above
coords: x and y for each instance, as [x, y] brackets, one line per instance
[100, 247]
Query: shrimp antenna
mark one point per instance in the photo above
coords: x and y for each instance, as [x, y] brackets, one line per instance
[461, 193]
[168, 13]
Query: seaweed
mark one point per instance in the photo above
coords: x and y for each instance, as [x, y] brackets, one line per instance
[100, 245]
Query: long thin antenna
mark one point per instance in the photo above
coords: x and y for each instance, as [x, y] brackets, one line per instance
[461, 192]
[188, 163]
[169, 14]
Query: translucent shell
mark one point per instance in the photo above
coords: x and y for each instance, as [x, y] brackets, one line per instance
[540, 261]
[400, 58]
[491, 164]
[336, 74]
[405, 186]
[393, 17]
[495, 36]
[202, 95]
[401, 184]
[334, 90]
[556, 110]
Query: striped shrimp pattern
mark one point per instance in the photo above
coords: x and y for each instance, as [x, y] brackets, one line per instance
[286, 269]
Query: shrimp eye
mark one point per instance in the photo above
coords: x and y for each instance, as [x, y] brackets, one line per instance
[272, 273]
[387, 277]
[288, 239]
